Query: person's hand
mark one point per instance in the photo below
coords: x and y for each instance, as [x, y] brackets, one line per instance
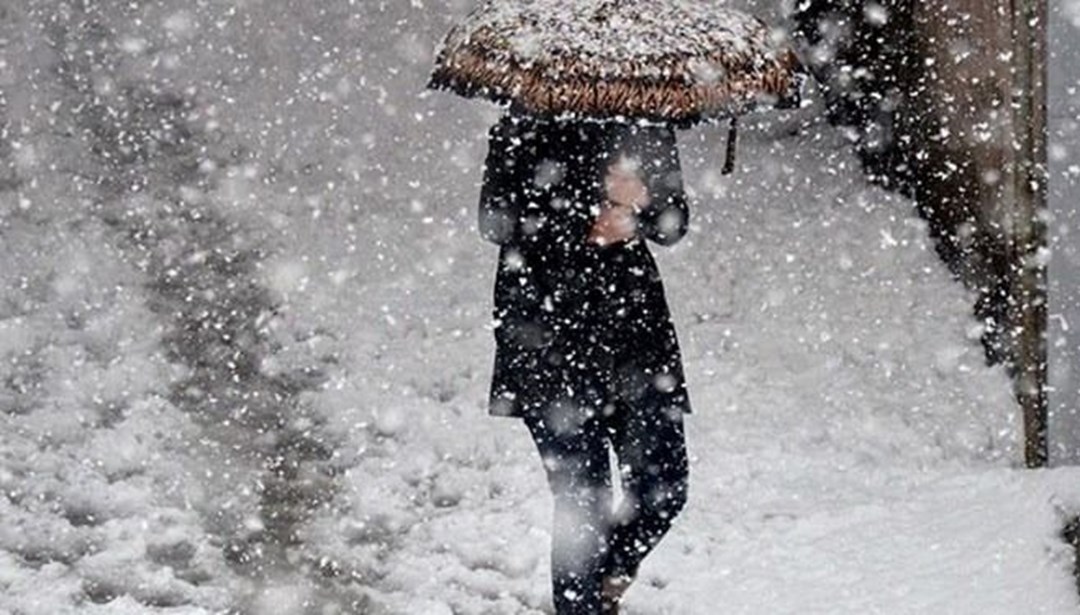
[626, 195]
[615, 223]
[624, 186]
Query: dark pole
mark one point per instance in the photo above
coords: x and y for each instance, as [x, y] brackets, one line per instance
[1029, 253]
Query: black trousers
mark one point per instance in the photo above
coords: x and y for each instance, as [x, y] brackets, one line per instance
[590, 540]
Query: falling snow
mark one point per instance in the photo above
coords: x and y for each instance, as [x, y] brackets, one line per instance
[246, 343]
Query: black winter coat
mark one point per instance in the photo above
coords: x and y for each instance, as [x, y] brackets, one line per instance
[579, 326]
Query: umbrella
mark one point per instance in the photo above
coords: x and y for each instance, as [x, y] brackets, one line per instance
[672, 61]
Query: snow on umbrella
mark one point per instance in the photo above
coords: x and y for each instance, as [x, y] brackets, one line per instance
[676, 61]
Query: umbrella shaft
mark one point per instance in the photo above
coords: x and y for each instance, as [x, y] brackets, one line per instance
[732, 136]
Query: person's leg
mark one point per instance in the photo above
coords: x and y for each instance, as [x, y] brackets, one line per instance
[575, 456]
[651, 447]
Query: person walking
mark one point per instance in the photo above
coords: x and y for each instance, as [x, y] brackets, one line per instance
[582, 173]
[586, 351]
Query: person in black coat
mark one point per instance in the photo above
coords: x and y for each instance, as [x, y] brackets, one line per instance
[586, 352]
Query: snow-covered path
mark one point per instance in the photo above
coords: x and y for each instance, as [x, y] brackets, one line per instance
[850, 451]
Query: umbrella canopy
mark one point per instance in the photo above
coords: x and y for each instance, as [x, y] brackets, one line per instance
[676, 61]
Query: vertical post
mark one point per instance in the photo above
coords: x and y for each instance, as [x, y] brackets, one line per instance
[1028, 243]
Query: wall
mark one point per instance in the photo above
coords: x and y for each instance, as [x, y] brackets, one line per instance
[931, 88]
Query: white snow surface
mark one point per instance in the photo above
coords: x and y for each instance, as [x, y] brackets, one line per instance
[850, 451]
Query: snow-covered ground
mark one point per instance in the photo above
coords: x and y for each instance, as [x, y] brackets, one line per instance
[850, 451]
